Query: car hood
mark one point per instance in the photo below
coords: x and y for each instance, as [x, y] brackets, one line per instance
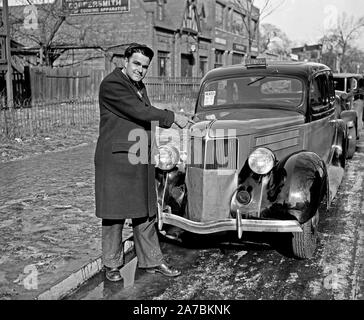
[244, 121]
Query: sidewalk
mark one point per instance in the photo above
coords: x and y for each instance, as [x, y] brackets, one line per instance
[360, 144]
[50, 238]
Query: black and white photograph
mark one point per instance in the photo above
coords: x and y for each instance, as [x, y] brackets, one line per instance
[183, 156]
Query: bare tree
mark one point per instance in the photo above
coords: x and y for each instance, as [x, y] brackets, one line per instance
[253, 17]
[51, 31]
[273, 39]
[340, 40]
[37, 26]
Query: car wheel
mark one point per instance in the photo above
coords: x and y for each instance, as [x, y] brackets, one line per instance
[352, 142]
[304, 243]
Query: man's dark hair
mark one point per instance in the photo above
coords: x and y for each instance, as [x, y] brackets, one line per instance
[141, 48]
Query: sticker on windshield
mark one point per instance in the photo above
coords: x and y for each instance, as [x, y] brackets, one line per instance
[209, 98]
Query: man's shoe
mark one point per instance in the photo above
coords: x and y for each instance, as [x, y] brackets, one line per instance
[113, 274]
[165, 270]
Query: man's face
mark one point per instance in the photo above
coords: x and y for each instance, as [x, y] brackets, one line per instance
[136, 66]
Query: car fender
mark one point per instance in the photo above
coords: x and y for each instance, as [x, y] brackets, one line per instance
[341, 144]
[349, 117]
[171, 189]
[297, 186]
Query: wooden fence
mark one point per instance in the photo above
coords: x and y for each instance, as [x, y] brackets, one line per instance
[63, 84]
[69, 97]
[57, 84]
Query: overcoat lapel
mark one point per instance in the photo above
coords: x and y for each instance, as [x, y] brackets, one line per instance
[141, 94]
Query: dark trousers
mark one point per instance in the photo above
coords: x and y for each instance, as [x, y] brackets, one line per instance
[146, 243]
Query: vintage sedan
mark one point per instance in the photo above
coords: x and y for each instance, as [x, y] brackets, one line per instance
[266, 151]
[349, 89]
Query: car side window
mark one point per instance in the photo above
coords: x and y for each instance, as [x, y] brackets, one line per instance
[350, 84]
[319, 91]
[322, 96]
[361, 83]
[315, 93]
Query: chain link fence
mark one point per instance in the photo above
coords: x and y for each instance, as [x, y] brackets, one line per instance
[41, 117]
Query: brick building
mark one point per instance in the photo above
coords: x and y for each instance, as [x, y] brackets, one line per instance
[308, 53]
[189, 37]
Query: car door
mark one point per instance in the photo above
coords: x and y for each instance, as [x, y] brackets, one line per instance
[321, 131]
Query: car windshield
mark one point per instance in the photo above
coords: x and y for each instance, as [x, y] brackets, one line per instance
[260, 91]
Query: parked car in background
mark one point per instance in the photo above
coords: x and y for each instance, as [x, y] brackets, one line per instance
[267, 151]
[349, 88]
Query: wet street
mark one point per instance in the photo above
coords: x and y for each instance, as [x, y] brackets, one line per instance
[48, 222]
[221, 267]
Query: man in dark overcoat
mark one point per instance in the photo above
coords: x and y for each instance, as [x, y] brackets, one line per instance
[125, 189]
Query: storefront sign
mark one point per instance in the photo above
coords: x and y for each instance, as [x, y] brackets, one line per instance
[294, 57]
[220, 41]
[203, 46]
[163, 39]
[239, 47]
[79, 7]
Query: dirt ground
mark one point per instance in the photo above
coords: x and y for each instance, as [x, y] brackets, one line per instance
[61, 139]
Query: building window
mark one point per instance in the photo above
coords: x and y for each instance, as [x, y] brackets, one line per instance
[162, 63]
[2, 49]
[218, 58]
[187, 62]
[219, 13]
[191, 18]
[229, 26]
[237, 24]
[314, 55]
[253, 28]
[203, 66]
[238, 58]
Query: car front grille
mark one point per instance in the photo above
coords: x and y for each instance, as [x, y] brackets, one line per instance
[214, 154]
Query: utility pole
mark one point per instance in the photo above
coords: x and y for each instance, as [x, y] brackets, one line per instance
[6, 43]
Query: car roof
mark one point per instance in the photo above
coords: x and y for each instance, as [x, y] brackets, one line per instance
[291, 68]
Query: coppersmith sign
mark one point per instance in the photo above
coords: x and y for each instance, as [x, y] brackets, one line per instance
[79, 7]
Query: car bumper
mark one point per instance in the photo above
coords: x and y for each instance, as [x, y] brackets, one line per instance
[238, 224]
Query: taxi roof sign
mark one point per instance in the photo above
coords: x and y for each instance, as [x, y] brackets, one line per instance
[256, 62]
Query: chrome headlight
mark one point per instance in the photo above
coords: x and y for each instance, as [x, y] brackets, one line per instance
[167, 157]
[261, 161]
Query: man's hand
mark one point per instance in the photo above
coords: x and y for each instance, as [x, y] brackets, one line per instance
[181, 120]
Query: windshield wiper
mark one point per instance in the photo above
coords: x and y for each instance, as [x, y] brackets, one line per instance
[256, 80]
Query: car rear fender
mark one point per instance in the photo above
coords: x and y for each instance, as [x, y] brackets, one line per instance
[297, 186]
[349, 117]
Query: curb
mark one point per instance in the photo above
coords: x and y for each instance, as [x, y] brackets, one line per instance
[360, 147]
[77, 278]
